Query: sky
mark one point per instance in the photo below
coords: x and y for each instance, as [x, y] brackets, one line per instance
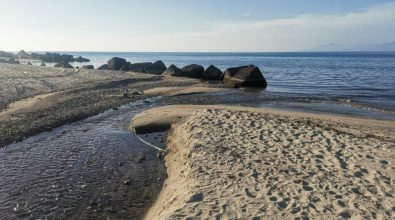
[192, 26]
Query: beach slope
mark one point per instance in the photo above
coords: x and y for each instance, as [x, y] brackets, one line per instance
[246, 163]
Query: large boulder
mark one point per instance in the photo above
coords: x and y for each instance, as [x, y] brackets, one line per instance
[29, 63]
[249, 76]
[193, 70]
[43, 64]
[156, 68]
[87, 67]
[139, 67]
[35, 56]
[81, 59]
[125, 67]
[23, 55]
[103, 67]
[172, 70]
[116, 63]
[212, 73]
[63, 64]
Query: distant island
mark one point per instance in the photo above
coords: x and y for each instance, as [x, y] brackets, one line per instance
[335, 47]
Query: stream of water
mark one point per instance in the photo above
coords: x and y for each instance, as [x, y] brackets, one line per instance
[91, 169]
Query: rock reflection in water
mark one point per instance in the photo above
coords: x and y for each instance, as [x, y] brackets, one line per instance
[92, 169]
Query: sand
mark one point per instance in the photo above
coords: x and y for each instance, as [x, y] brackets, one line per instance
[22, 81]
[245, 163]
[183, 90]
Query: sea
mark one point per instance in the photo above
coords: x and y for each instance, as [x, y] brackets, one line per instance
[363, 78]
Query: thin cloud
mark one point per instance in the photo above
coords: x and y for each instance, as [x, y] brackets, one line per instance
[373, 25]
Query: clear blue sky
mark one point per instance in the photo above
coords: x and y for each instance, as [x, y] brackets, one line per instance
[200, 25]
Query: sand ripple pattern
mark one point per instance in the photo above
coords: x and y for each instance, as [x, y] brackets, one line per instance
[248, 165]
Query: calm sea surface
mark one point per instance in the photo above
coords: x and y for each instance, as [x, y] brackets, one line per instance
[360, 77]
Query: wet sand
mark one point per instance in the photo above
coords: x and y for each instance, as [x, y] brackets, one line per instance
[56, 96]
[246, 163]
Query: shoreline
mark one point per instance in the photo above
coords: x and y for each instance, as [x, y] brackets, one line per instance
[45, 111]
[201, 177]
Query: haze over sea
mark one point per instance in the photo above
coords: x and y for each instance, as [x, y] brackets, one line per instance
[358, 76]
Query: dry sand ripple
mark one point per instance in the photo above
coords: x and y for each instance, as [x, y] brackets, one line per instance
[236, 164]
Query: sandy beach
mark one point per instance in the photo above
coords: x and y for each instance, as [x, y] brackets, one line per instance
[224, 162]
[245, 163]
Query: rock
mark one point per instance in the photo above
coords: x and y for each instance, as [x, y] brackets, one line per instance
[116, 63]
[193, 70]
[63, 64]
[13, 61]
[103, 67]
[81, 59]
[212, 73]
[88, 67]
[6, 54]
[126, 182]
[29, 63]
[23, 55]
[139, 67]
[172, 70]
[137, 92]
[156, 68]
[249, 76]
[43, 64]
[198, 197]
[35, 56]
[125, 67]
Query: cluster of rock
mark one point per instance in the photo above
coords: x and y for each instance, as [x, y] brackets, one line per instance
[46, 57]
[6, 54]
[9, 60]
[6, 57]
[249, 75]
[53, 57]
[120, 64]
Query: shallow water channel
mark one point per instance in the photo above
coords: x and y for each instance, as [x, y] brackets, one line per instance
[91, 169]
[97, 169]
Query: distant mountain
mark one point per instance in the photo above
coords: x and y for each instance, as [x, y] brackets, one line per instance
[332, 47]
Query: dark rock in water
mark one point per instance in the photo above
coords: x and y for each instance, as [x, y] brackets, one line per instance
[139, 67]
[81, 59]
[116, 63]
[173, 70]
[88, 67]
[43, 64]
[103, 67]
[53, 57]
[212, 73]
[23, 55]
[156, 68]
[125, 67]
[249, 76]
[63, 64]
[193, 70]
[29, 63]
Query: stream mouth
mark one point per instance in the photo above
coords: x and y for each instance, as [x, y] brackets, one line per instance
[97, 168]
[91, 169]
